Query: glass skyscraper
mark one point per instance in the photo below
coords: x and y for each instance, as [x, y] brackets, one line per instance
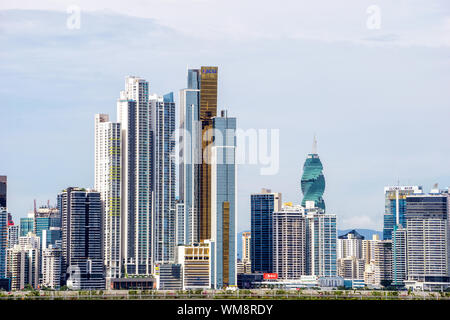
[395, 207]
[3, 241]
[223, 202]
[3, 191]
[81, 214]
[262, 207]
[313, 181]
[26, 225]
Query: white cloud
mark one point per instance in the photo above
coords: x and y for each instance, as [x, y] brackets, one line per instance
[411, 22]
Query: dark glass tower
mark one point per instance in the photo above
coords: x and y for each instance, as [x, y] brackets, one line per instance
[262, 207]
[3, 181]
[313, 181]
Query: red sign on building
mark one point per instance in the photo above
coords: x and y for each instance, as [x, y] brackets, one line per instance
[270, 276]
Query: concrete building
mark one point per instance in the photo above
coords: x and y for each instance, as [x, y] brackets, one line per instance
[377, 255]
[51, 267]
[164, 216]
[195, 261]
[289, 242]
[137, 176]
[107, 171]
[3, 241]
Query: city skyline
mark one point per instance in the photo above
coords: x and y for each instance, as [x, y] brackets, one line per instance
[356, 155]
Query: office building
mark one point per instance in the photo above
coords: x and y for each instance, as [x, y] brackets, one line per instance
[3, 241]
[46, 218]
[195, 261]
[27, 224]
[81, 215]
[169, 276]
[107, 181]
[190, 160]
[3, 191]
[313, 181]
[180, 224]
[427, 243]
[289, 242]
[262, 207]
[395, 207]
[164, 217]
[51, 267]
[223, 194]
[134, 116]
[51, 237]
[321, 236]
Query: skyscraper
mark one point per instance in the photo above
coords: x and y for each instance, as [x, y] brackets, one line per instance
[208, 78]
[82, 238]
[107, 181]
[313, 181]
[27, 224]
[190, 159]
[399, 257]
[3, 241]
[134, 116]
[395, 207]
[427, 243]
[321, 237]
[164, 221]
[51, 267]
[262, 207]
[289, 242]
[223, 194]
[3, 191]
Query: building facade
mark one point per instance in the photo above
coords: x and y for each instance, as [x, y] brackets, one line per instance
[164, 221]
[107, 181]
[82, 255]
[289, 242]
[395, 207]
[223, 208]
[134, 116]
[313, 181]
[261, 250]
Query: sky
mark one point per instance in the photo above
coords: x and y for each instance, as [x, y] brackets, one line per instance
[369, 78]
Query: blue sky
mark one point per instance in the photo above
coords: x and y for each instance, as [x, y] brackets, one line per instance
[378, 100]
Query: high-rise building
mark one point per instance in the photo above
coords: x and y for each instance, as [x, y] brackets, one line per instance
[289, 242]
[51, 267]
[246, 244]
[3, 241]
[313, 181]
[350, 245]
[46, 218]
[395, 207]
[399, 257]
[81, 215]
[3, 191]
[107, 181]
[351, 268]
[262, 207]
[164, 217]
[223, 195]
[427, 243]
[377, 255]
[321, 237]
[134, 116]
[13, 235]
[23, 263]
[190, 159]
[27, 224]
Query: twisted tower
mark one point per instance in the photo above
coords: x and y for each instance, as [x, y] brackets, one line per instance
[313, 181]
